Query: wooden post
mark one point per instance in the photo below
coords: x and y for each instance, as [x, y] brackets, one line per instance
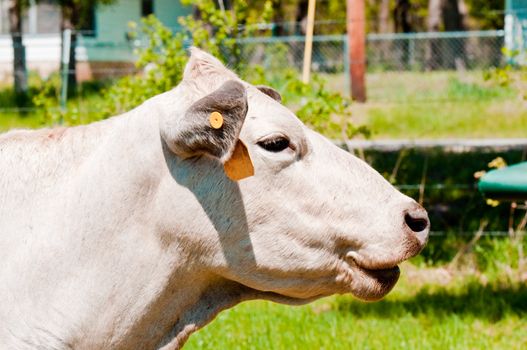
[308, 48]
[356, 26]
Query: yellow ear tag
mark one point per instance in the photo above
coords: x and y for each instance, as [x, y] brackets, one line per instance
[216, 120]
[240, 165]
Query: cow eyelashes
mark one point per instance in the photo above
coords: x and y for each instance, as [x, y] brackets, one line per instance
[275, 144]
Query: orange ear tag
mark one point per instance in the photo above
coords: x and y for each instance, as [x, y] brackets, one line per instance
[240, 165]
[216, 120]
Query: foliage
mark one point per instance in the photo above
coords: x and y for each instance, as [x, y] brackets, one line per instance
[488, 13]
[219, 32]
[46, 99]
[161, 62]
[510, 75]
[163, 58]
[326, 111]
[314, 103]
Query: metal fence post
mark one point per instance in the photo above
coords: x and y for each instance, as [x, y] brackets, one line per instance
[411, 53]
[347, 80]
[66, 45]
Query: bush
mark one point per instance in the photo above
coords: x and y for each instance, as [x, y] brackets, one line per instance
[161, 62]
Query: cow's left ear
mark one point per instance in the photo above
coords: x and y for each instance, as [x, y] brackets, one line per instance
[269, 91]
[211, 126]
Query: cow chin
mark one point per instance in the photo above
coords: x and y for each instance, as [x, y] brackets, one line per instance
[372, 285]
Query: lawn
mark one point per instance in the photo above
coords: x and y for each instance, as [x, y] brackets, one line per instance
[428, 309]
[413, 105]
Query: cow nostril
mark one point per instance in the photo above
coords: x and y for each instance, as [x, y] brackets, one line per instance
[416, 224]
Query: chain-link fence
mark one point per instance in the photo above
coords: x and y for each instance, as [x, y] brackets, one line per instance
[385, 52]
[398, 51]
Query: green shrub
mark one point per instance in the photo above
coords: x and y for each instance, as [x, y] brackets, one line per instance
[162, 59]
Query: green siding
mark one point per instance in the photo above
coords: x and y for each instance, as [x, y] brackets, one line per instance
[168, 12]
[112, 21]
[110, 42]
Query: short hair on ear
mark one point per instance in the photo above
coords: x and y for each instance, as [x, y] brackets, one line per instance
[193, 134]
[269, 91]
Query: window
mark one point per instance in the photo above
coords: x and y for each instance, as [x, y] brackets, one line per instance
[147, 7]
[87, 24]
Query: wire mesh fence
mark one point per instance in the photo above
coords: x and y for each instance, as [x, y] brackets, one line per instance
[385, 52]
[397, 51]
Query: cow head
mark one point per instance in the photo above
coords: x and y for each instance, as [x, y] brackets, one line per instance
[312, 221]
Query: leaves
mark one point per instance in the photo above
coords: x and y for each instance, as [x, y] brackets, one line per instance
[162, 55]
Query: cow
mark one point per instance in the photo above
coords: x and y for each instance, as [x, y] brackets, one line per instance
[136, 231]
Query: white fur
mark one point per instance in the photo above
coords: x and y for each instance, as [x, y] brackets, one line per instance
[110, 241]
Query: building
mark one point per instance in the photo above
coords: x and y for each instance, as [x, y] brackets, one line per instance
[104, 48]
[516, 28]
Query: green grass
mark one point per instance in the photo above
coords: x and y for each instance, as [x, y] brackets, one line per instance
[439, 105]
[14, 120]
[461, 315]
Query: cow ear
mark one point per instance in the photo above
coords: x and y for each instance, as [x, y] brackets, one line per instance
[269, 91]
[202, 64]
[211, 126]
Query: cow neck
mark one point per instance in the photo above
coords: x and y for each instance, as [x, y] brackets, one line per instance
[218, 296]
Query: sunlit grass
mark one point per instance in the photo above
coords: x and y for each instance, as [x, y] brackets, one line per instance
[460, 315]
[438, 105]
[13, 120]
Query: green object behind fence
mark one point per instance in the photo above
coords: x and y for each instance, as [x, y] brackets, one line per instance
[509, 183]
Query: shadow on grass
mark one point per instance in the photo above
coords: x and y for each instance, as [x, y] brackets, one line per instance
[487, 302]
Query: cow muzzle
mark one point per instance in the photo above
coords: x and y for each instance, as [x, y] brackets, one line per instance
[417, 225]
[376, 272]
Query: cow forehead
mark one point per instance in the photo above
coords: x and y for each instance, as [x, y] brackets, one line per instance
[266, 116]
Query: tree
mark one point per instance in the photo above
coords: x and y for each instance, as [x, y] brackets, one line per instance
[19, 51]
[433, 25]
[487, 13]
[453, 20]
[74, 14]
[451, 15]
[445, 15]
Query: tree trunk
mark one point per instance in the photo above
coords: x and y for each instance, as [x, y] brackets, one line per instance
[384, 27]
[384, 16]
[297, 47]
[432, 57]
[278, 19]
[451, 15]
[19, 51]
[70, 20]
[453, 49]
[403, 24]
[401, 16]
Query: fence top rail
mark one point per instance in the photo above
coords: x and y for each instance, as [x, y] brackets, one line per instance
[438, 35]
[379, 36]
[452, 145]
[324, 38]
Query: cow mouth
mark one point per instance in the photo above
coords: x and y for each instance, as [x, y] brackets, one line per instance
[373, 282]
[385, 277]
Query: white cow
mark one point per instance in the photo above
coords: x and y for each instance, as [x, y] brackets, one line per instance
[128, 233]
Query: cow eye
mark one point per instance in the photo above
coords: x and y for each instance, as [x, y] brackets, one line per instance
[275, 144]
